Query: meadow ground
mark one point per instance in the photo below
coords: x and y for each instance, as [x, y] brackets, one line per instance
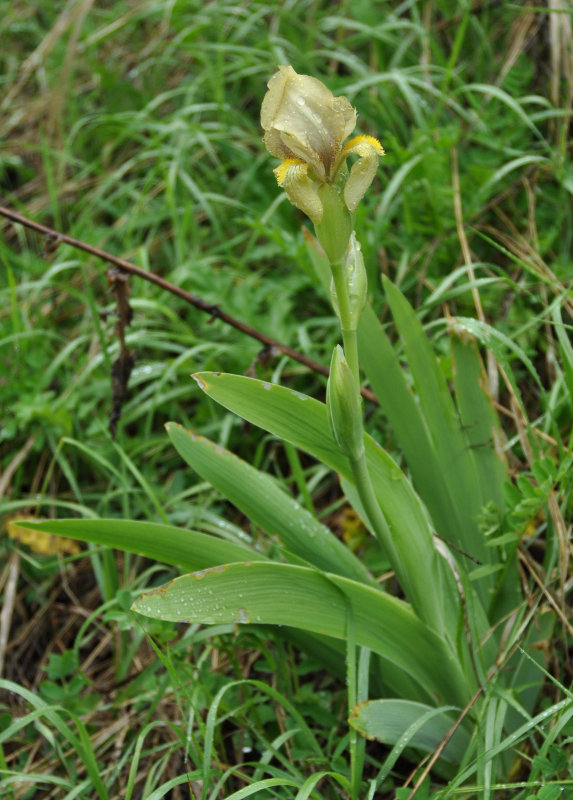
[134, 127]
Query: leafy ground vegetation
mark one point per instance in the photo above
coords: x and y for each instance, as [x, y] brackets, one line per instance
[134, 127]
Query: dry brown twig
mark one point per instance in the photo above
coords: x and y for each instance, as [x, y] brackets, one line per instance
[122, 366]
[212, 309]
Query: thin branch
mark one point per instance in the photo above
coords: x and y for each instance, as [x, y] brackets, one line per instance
[56, 238]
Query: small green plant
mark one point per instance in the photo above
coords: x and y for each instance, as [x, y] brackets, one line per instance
[65, 684]
[433, 648]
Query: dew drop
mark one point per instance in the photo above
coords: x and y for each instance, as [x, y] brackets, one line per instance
[300, 101]
[242, 616]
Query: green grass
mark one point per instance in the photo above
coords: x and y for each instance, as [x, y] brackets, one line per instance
[134, 126]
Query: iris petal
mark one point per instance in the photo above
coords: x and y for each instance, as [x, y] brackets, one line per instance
[292, 176]
[363, 171]
[302, 119]
[305, 126]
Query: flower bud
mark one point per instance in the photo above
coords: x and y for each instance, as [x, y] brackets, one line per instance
[356, 282]
[344, 407]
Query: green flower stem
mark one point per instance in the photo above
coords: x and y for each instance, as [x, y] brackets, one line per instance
[359, 468]
[371, 506]
[349, 339]
[352, 687]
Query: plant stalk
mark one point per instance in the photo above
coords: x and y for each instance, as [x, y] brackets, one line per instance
[358, 465]
[349, 338]
[371, 506]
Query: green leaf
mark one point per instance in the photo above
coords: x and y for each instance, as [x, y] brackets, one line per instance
[484, 436]
[480, 422]
[303, 421]
[283, 412]
[258, 496]
[282, 594]
[499, 344]
[384, 371]
[550, 792]
[59, 666]
[543, 764]
[411, 725]
[184, 548]
[188, 549]
[456, 468]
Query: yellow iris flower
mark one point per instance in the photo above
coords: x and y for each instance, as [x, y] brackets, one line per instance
[306, 126]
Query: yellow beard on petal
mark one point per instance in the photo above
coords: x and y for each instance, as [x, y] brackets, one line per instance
[354, 145]
[292, 176]
[281, 171]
